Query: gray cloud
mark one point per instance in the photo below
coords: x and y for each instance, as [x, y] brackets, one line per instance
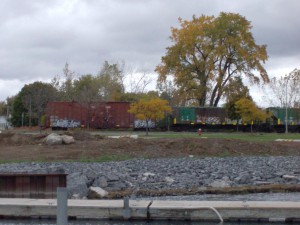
[39, 36]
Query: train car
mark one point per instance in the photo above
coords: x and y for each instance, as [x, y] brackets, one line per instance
[199, 115]
[278, 119]
[98, 115]
[279, 115]
[214, 119]
[108, 115]
[193, 118]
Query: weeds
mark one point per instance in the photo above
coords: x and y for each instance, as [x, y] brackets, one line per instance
[105, 158]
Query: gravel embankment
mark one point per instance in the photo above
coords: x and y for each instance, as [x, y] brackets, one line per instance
[168, 174]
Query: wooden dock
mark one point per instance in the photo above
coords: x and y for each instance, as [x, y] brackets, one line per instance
[271, 211]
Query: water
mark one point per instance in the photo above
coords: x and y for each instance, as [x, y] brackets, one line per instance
[89, 222]
[102, 222]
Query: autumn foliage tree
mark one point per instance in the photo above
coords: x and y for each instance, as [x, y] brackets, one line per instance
[249, 112]
[235, 91]
[207, 52]
[150, 110]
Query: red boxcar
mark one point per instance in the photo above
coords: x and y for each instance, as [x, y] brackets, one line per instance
[94, 115]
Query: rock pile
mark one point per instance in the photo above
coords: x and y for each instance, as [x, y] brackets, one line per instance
[98, 179]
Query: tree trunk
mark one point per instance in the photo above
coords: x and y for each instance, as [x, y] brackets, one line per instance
[39, 121]
[201, 102]
[30, 114]
[237, 125]
[217, 100]
[202, 99]
[212, 98]
[88, 119]
[147, 128]
[202, 88]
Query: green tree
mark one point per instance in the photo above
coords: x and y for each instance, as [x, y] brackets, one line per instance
[86, 90]
[150, 110]
[19, 115]
[32, 101]
[3, 108]
[207, 52]
[111, 85]
[65, 86]
[134, 97]
[131, 97]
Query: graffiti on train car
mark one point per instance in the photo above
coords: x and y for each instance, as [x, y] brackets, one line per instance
[208, 120]
[143, 124]
[65, 123]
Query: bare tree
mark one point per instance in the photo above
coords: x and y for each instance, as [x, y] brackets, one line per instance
[285, 90]
[137, 81]
[65, 84]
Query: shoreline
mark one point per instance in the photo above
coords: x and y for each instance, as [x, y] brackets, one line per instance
[173, 176]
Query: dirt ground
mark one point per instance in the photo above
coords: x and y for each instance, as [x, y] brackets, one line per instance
[16, 147]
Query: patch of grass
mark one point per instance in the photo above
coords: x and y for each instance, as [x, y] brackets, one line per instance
[3, 161]
[260, 137]
[105, 158]
[278, 188]
[257, 137]
[224, 154]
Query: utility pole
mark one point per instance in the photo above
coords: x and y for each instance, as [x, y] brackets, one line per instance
[22, 119]
[286, 105]
[30, 111]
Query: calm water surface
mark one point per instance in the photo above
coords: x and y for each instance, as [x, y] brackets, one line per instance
[90, 222]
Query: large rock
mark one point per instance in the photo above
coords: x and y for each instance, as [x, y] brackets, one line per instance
[96, 192]
[116, 186]
[220, 184]
[66, 139]
[243, 179]
[77, 185]
[112, 177]
[169, 180]
[100, 182]
[53, 139]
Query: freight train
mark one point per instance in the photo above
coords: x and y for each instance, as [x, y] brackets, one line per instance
[64, 115]
[112, 115]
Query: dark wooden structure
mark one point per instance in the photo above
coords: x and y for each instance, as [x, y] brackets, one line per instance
[31, 185]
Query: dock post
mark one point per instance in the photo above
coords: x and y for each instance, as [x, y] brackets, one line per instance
[62, 206]
[126, 209]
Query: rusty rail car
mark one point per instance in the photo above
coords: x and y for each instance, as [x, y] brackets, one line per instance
[98, 115]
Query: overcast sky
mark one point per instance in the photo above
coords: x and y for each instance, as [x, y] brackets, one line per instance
[39, 36]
